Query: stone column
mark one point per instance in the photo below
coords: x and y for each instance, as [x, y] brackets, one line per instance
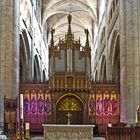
[9, 52]
[129, 59]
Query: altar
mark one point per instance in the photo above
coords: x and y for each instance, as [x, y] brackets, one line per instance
[68, 132]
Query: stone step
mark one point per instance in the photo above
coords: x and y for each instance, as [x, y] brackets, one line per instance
[37, 138]
[41, 138]
[98, 138]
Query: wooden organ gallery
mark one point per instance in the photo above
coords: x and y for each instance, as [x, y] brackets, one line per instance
[70, 89]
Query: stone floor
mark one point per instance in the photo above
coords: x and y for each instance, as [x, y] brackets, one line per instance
[98, 138]
[37, 138]
[41, 138]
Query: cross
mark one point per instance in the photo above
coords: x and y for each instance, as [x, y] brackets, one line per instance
[69, 116]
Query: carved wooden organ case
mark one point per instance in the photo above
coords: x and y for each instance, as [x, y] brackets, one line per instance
[69, 66]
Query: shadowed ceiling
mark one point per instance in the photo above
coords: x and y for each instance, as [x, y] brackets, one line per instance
[84, 13]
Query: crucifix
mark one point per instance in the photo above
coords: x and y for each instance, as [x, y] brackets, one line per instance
[69, 115]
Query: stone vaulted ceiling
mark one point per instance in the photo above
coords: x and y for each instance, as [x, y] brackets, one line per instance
[84, 13]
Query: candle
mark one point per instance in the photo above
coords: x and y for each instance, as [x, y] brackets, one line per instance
[27, 126]
[21, 106]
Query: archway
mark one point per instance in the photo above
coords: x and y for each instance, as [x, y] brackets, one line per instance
[72, 104]
[24, 57]
[96, 76]
[104, 71]
[116, 61]
[114, 58]
[44, 76]
[102, 76]
[37, 74]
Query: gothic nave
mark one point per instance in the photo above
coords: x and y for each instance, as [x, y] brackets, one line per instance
[69, 62]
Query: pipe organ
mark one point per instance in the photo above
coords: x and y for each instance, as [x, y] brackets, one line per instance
[69, 61]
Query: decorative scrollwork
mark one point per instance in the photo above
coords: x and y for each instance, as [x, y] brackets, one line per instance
[10, 104]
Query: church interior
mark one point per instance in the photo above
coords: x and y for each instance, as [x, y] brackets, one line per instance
[70, 62]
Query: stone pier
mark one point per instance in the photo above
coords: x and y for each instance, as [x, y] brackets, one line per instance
[129, 59]
[9, 52]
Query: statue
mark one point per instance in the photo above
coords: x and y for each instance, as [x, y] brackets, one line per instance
[26, 104]
[92, 105]
[33, 105]
[114, 105]
[48, 105]
[106, 105]
[40, 104]
[99, 106]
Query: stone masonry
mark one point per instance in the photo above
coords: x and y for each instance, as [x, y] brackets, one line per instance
[9, 52]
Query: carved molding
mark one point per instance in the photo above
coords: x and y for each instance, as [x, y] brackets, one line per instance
[70, 82]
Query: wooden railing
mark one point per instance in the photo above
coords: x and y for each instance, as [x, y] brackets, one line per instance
[123, 133]
[137, 133]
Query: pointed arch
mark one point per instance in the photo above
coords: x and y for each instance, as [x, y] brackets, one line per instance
[116, 61]
[69, 103]
[96, 76]
[44, 76]
[113, 42]
[102, 76]
[37, 73]
[114, 57]
[24, 57]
